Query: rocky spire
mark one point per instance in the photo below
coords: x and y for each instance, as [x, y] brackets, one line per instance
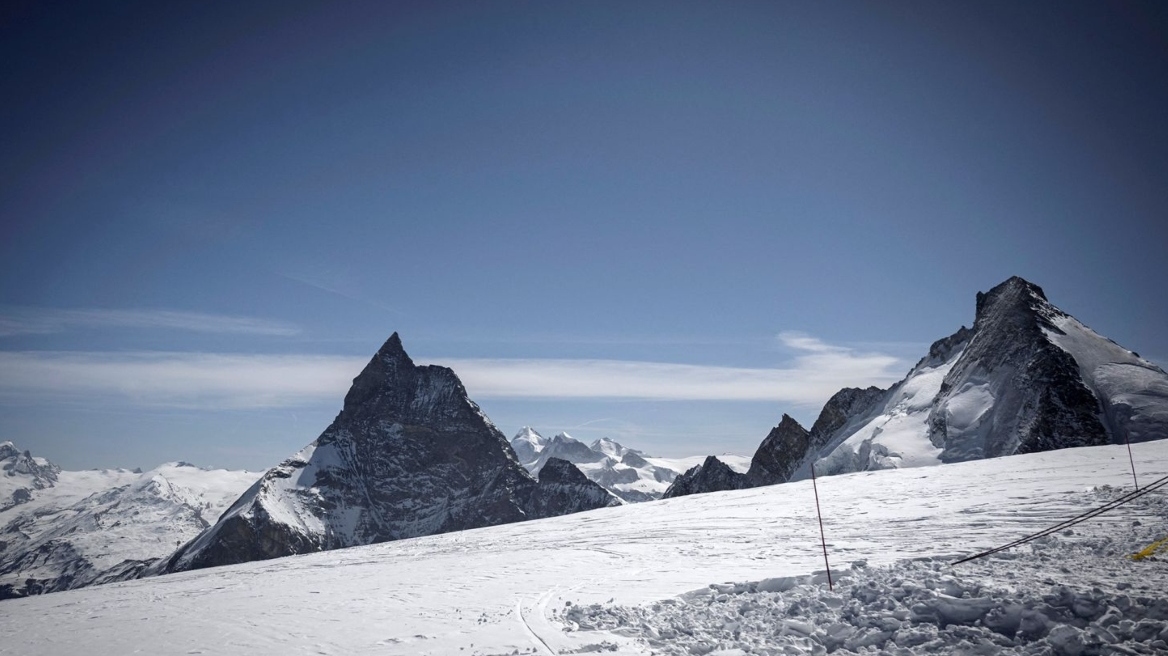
[410, 454]
[780, 452]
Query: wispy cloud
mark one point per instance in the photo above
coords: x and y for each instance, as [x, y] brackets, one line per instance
[192, 380]
[810, 379]
[45, 321]
[178, 380]
[804, 342]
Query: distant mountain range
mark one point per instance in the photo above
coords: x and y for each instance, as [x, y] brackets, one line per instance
[67, 529]
[627, 473]
[1026, 377]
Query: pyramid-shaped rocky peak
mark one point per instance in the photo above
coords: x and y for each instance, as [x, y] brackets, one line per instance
[1013, 292]
[560, 471]
[779, 452]
[712, 475]
[1031, 391]
[392, 383]
[409, 455]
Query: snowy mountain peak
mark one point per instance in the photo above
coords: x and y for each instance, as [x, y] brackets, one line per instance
[1015, 300]
[609, 447]
[1026, 377]
[527, 444]
[8, 450]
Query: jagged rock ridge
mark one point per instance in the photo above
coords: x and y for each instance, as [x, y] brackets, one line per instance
[1026, 377]
[408, 455]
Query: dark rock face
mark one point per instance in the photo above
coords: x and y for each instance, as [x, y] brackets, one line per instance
[712, 475]
[840, 408]
[564, 489]
[1040, 400]
[408, 455]
[779, 454]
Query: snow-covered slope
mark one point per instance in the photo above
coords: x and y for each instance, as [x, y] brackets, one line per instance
[409, 454]
[894, 432]
[80, 528]
[627, 473]
[1132, 391]
[728, 571]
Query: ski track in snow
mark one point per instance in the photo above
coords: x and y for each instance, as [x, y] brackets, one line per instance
[518, 588]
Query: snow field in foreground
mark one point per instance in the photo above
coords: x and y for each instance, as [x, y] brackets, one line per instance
[504, 589]
[1068, 594]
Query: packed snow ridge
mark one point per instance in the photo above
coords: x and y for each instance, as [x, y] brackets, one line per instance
[1027, 377]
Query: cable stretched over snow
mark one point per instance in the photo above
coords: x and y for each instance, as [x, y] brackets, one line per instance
[1111, 505]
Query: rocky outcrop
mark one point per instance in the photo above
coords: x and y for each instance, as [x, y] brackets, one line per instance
[712, 475]
[563, 489]
[779, 454]
[841, 408]
[409, 455]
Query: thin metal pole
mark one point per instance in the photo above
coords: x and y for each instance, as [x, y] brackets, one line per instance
[822, 539]
[1131, 460]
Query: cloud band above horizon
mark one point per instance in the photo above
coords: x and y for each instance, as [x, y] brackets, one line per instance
[46, 321]
[249, 381]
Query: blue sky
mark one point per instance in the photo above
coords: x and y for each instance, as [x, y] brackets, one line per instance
[667, 223]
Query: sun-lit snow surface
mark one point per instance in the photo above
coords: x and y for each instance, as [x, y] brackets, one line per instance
[98, 525]
[506, 589]
[1133, 391]
[627, 473]
[896, 434]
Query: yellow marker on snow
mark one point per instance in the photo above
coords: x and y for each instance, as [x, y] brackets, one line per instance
[1151, 549]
